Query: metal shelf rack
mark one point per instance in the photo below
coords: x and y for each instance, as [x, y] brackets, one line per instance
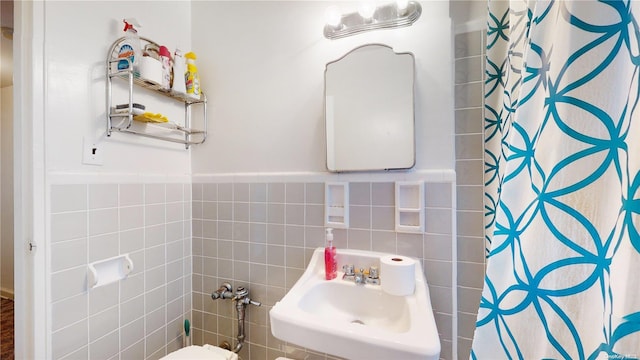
[123, 121]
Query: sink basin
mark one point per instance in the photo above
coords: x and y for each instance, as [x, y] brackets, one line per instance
[345, 319]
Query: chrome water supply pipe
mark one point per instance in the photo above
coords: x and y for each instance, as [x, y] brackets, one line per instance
[241, 298]
[223, 292]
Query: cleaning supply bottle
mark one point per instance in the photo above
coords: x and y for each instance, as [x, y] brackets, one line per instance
[165, 59]
[178, 86]
[130, 48]
[330, 263]
[191, 77]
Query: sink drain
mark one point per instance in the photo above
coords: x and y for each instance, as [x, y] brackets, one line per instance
[357, 322]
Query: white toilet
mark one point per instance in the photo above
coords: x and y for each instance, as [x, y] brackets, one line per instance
[205, 352]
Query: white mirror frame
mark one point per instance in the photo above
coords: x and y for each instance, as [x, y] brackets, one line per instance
[369, 110]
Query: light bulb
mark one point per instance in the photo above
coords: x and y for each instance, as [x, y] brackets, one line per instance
[402, 6]
[332, 16]
[367, 9]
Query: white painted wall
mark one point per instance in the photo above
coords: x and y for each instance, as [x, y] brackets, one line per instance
[262, 65]
[6, 191]
[78, 36]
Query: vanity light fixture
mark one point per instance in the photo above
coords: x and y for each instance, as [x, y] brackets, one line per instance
[366, 10]
[332, 17]
[402, 7]
[369, 17]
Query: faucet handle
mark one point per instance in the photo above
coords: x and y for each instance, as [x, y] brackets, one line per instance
[348, 270]
[246, 301]
[373, 272]
[374, 277]
[224, 291]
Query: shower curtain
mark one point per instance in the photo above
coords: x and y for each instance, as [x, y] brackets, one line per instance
[562, 176]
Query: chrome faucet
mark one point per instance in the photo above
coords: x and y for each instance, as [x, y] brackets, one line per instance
[361, 277]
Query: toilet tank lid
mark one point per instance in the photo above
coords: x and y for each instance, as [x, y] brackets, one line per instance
[195, 352]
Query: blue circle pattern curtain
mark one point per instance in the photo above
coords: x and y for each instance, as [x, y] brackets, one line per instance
[562, 173]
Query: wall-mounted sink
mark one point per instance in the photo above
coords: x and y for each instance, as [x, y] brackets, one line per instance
[356, 321]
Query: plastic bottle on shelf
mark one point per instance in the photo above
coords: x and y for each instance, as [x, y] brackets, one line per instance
[179, 85]
[165, 59]
[192, 79]
[130, 47]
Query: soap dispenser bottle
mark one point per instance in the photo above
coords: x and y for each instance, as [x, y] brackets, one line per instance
[330, 263]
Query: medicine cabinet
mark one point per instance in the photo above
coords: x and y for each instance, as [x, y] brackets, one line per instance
[369, 110]
[123, 119]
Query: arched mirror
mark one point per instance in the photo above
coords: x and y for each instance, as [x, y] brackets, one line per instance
[369, 110]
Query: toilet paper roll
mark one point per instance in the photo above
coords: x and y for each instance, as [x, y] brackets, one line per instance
[397, 275]
[151, 70]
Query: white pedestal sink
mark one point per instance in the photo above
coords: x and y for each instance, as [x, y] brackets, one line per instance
[356, 321]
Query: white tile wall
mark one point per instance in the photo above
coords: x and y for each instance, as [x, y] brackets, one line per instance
[469, 74]
[263, 237]
[142, 316]
[258, 234]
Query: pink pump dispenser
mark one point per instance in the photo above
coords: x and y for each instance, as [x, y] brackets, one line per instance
[330, 263]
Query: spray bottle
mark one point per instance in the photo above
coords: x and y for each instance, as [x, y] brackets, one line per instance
[192, 79]
[130, 47]
[178, 86]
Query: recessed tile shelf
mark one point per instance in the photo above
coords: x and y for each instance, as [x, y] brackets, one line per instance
[336, 205]
[410, 207]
